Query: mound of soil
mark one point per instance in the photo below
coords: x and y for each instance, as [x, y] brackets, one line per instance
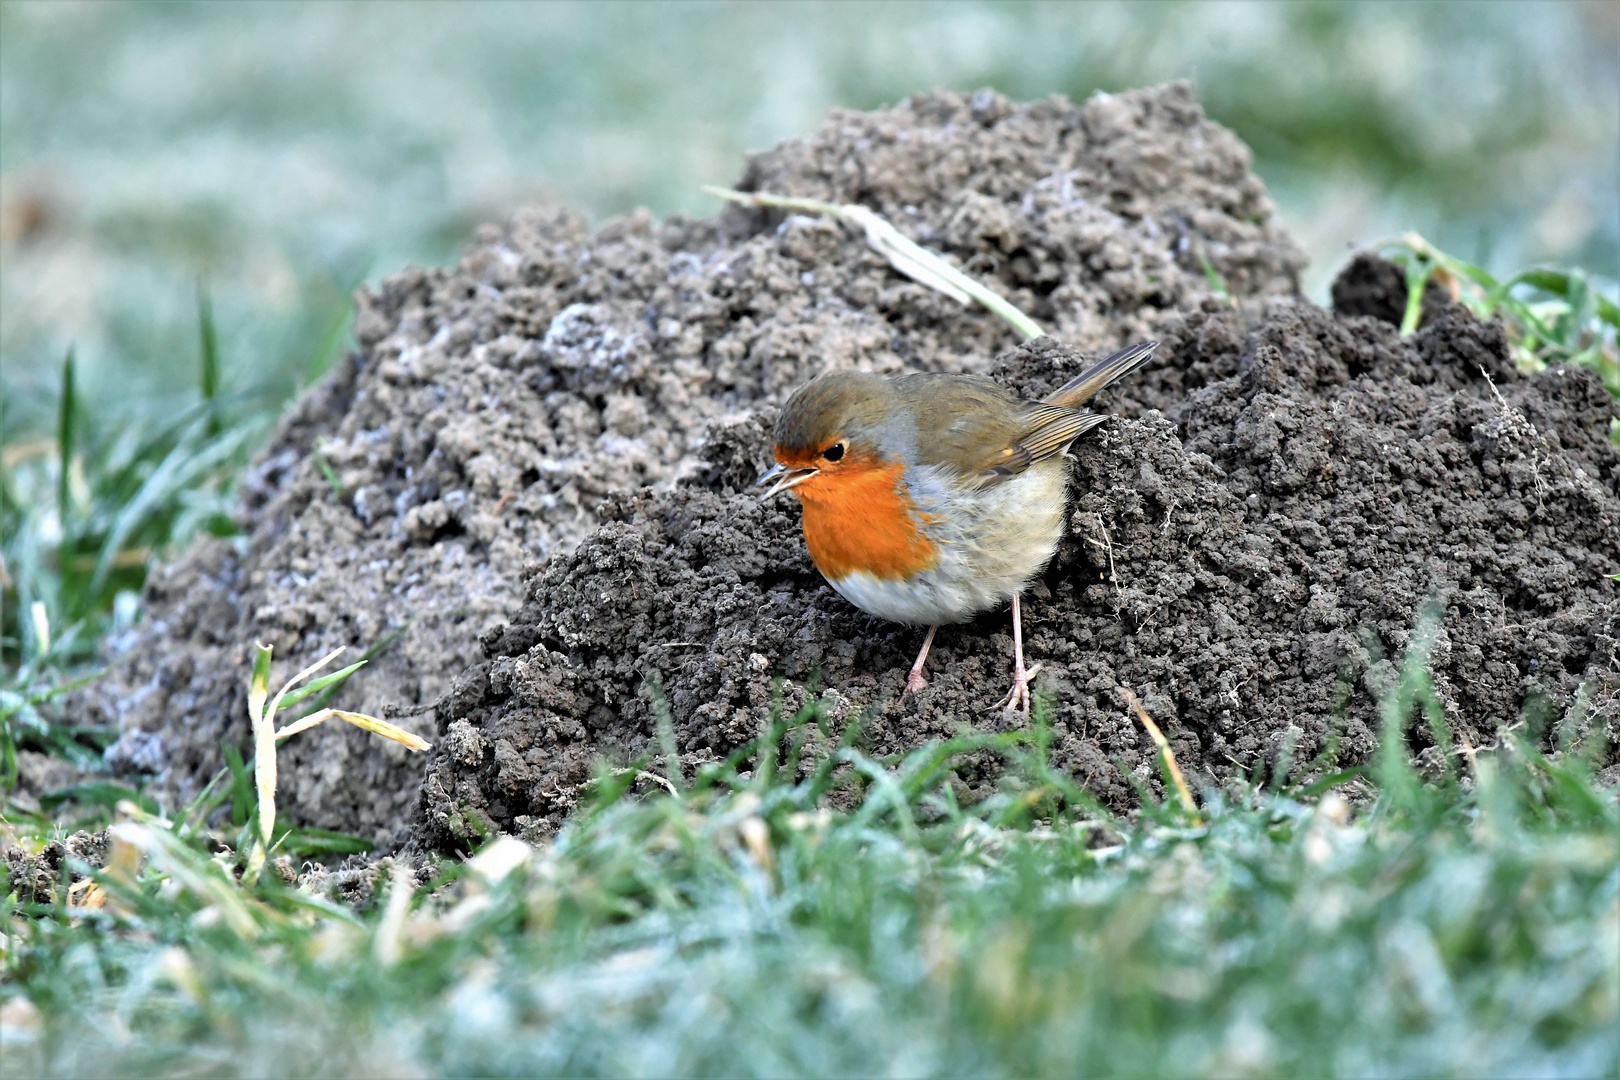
[491, 408]
[1252, 570]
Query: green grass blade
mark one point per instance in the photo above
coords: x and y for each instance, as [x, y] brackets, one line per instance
[370, 654]
[186, 464]
[242, 801]
[209, 799]
[259, 681]
[197, 874]
[1418, 273]
[105, 793]
[315, 686]
[1217, 283]
[1608, 310]
[320, 842]
[1396, 775]
[326, 470]
[66, 414]
[8, 756]
[208, 375]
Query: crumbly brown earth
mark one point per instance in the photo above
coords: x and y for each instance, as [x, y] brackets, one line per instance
[491, 408]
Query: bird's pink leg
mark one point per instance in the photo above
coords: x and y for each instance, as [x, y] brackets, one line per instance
[1018, 696]
[915, 681]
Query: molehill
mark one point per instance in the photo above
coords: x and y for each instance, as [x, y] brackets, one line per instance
[541, 459]
[1252, 570]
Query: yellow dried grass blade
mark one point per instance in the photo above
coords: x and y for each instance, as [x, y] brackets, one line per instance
[304, 723]
[385, 729]
[359, 720]
[1169, 755]
[904, 254]
[264, 745]
[388, 945]
[42, 627]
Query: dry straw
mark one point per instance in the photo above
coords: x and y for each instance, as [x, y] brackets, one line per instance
[904, 254]
[1163, 744]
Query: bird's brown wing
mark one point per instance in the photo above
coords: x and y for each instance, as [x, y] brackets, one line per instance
[1050, 430]
[982, 430]
[1051, 425]
[960, 419]
[1097, 378]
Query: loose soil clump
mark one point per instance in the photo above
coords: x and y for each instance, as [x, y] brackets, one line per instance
[1252, 569]
[45, 876]
[495, 414]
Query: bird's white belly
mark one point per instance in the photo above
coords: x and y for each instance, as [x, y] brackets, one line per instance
[922, 600]
[989, 544]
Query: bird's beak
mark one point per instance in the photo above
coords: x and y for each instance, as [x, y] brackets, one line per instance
[784, 478]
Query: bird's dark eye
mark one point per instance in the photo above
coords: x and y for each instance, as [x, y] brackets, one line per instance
[833, 452]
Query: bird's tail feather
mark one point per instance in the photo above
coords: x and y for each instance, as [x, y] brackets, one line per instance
[1086, 385]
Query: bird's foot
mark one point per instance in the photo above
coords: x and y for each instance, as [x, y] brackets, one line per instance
[1018, 696]
[915, 683]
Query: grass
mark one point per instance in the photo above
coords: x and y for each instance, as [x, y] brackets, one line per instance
[1552, 316]
[1373, 921]
[86, 511]
[1466, 925]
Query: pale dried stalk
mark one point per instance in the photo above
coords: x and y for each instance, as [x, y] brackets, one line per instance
[264, 746]
[264, 759]
[1164, 746]
[904, 254]
[359, 720]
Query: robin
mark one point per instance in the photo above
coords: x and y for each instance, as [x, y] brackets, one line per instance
[931, 498]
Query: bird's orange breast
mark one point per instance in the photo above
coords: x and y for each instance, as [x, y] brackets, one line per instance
[862, 518]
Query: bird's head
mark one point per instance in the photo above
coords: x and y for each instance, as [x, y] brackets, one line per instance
[829, 432]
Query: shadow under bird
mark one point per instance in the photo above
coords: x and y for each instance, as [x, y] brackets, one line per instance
[930, 498]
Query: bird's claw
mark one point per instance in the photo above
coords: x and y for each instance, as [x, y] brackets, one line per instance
[1018, 696]
[915, 683]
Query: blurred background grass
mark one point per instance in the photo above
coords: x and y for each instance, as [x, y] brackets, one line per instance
[284, 152]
